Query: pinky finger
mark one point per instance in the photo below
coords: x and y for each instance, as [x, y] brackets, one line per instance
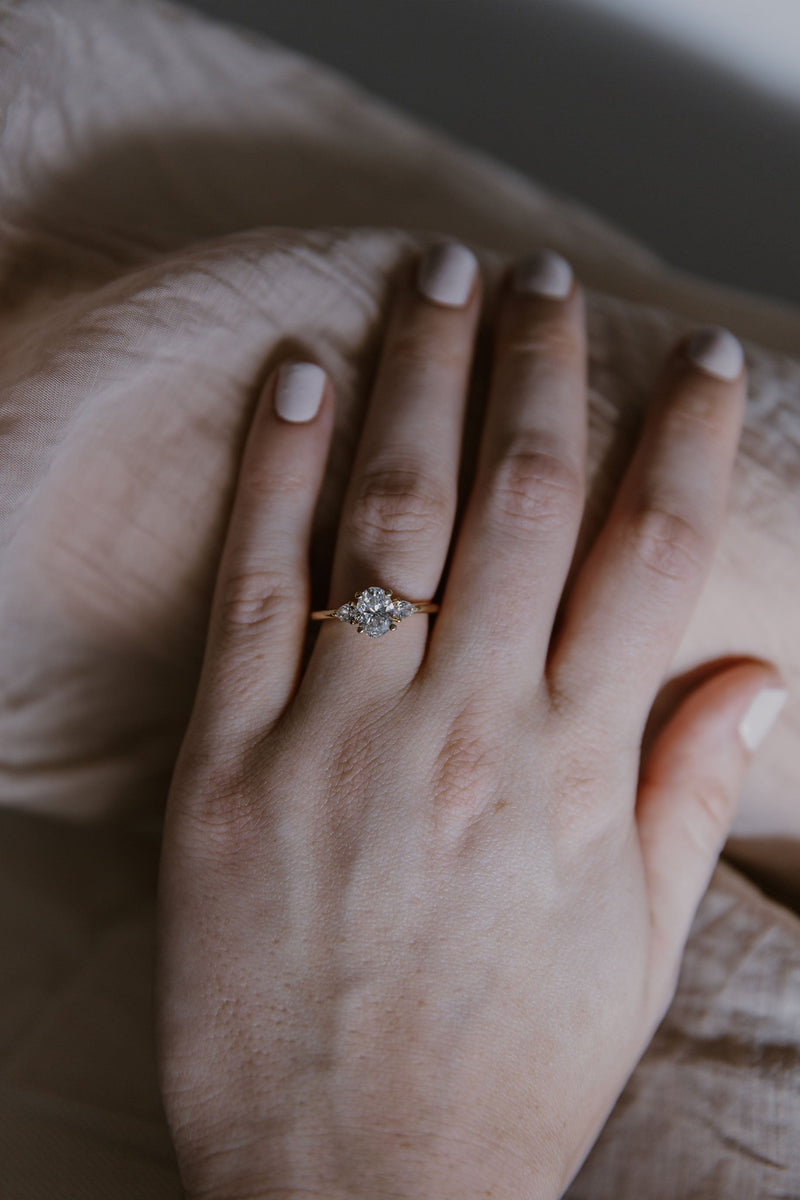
[261, 598]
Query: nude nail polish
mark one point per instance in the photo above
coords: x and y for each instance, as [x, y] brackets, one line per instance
[545, 273]
[761, 716]
[716, 351]
[298, 391]
[447, 273]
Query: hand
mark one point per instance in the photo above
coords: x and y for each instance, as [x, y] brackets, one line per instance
[107, 579]
[422, 906]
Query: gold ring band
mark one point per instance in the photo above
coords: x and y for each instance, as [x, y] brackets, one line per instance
[417, 606]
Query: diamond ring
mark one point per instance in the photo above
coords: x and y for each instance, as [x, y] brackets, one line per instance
[375, 611]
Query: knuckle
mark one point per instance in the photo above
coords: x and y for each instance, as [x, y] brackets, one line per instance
[426, 341]
[468, 767]
[398, 503]
[710, 815]
[255, 599]
[261, 481]
[668, 545]
[219, 812]
[697, 406]
[533, 487]
[552, 341]
[578, 812]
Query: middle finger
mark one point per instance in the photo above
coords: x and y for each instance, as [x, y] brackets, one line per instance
[518, 534]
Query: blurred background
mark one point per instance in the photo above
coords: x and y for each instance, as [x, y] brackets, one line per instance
[677, 119]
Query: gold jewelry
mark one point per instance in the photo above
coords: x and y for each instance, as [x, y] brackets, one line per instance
[375, 611]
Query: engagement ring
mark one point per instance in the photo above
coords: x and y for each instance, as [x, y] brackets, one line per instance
[375, 611]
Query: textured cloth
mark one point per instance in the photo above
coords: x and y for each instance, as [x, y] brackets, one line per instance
[179, 205]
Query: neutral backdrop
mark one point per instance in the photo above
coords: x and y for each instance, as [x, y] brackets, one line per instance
[679, 119]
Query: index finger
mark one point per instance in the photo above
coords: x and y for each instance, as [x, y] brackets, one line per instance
[262, 595]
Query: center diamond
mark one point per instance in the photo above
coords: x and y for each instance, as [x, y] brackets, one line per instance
[374, 611]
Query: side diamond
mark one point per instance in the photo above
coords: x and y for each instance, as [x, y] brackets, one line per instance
[401, 609]
[345, 613]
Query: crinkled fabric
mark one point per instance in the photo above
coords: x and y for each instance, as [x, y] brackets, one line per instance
[179, 205]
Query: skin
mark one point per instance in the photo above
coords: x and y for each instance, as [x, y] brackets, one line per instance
[108, 567]
[422, 899]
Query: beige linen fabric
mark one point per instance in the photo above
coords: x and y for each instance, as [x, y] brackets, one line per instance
[179, 204]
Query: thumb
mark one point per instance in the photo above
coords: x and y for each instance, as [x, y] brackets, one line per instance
[689, 792]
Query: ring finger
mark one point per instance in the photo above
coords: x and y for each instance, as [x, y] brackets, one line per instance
[400, 505]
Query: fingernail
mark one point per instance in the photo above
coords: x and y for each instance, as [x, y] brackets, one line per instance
[761, 716]
[447, 272]
[543, 274]
[716, 351]
[298, 391]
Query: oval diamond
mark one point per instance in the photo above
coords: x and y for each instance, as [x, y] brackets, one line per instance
[376, 626]
[374, 611]
[372, 599]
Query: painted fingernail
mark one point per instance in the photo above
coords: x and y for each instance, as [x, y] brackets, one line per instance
[761, 716]
[544, 273]
[298, 391]
[716, 351]
[446, 274]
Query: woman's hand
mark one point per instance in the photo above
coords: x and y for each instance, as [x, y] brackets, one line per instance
[422, 904]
